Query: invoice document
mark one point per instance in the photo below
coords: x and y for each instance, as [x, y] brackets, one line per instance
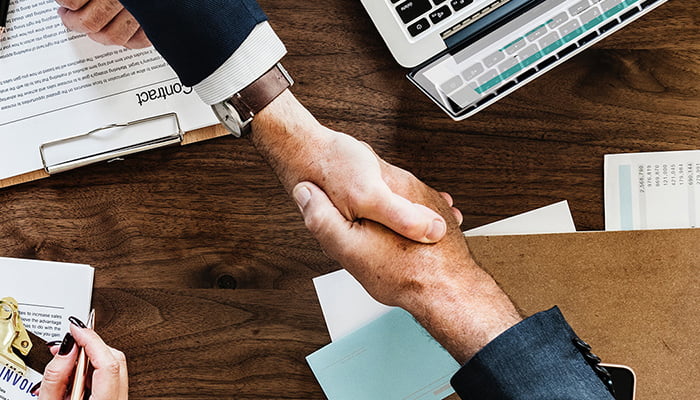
[56, 84]
[47, 293]
[652, 190]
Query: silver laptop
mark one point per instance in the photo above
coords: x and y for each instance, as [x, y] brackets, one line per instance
[468, 54]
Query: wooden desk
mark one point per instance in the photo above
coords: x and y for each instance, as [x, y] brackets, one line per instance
[172, 231]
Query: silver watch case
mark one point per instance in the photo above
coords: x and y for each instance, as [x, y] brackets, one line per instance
[229, 118]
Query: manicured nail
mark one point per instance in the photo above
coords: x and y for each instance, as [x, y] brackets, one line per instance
[54, 343]
[75, 321]
[66, 345]
[302, 195]
[437, 230]
[35, 387]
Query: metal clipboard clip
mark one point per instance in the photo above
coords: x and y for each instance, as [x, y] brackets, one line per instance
[173, 138]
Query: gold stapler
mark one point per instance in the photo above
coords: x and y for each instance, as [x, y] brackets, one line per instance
[16, 343]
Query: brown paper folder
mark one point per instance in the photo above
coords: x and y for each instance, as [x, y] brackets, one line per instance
[634, 296]
[197, 135]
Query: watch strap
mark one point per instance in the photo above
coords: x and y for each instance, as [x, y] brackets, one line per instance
[256, 96]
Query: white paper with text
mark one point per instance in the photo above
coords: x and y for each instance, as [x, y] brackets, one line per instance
[652, 190]
[48, 293]
[56, 84]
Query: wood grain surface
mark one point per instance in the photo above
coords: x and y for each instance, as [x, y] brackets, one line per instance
[204, 266]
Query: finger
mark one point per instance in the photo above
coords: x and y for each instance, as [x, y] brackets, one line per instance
[414, 221]
[107, 376]
[458, 215]
[92, 18]
[72, 4]
[138, 41]
[118, 31]
[57, 373]
[447, 198]
[325, 222]
[123, 374]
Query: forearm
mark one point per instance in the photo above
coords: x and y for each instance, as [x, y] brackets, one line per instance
[463, 309]
[288, 137]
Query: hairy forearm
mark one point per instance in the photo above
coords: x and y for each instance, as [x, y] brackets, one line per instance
[464, 309]
[286, 134]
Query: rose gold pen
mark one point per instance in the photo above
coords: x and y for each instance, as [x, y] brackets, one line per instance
[78, 390]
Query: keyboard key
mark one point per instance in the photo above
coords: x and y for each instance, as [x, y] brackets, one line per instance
[485, 100]
[440, 14]
[608, 5]
[452, 84]
[418, 27]
[647, 3]
[569, 27]
[544, 64]
[528, 51]
[558, 20]
[438, 2]
[548, 40]
[525, 75]
[533, 36]
[494, 58]
[505, 87]
[590, 15]
[473, 71]
[460, 4]
[412, 9]
[507, 64]
[629, 14]
[487, 77]
[395, 1]
[579, 7]
[587, 38]
[515, 46]
[608, 26]
[464, 96]
[567, 50]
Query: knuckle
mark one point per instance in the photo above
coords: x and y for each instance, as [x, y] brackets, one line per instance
[113, 367]
[52, 375]
[120, 356]
[70, 4]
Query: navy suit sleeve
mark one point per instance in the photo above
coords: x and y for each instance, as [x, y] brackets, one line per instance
[533, 360]
[196, 36]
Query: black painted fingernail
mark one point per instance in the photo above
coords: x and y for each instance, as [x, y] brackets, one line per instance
[75, 321]
[54, 343]
[66, 345]
[35, 387]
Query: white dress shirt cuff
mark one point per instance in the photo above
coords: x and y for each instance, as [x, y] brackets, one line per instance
[260, 51]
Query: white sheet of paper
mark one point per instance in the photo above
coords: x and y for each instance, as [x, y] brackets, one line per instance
[652, 190]
[347, 306]
[57, 84]
[554, 218]
[47, 293]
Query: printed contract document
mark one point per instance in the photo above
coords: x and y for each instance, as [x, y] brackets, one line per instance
[56, 84]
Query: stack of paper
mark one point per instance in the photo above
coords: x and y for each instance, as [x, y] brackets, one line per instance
[48, 293]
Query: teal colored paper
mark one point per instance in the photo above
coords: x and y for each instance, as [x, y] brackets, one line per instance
[392, 357]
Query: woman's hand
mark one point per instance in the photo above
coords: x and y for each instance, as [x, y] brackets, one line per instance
[109, 380]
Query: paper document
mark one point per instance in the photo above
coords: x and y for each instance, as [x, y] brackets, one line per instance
[48, 293]
[554, 218]
[388, 359]
[56, 84]
[652, 190]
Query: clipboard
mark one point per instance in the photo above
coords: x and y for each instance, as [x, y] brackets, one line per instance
[177, 137]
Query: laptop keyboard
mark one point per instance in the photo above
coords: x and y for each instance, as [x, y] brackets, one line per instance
[479, 77]
[419, 15]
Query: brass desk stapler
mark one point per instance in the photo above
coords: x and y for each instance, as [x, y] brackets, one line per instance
[16, 343]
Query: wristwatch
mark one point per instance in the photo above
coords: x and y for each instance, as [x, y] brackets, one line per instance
[237, 112]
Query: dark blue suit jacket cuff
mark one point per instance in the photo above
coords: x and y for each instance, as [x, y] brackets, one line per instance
[196, 36]
[535, 359]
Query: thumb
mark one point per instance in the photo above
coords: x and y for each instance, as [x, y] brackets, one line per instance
[322, 218]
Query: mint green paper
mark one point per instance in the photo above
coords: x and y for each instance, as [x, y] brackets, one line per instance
[392, 357]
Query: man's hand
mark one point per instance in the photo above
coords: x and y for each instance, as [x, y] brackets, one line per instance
[357, 181]
[440, 284]
[104, 21]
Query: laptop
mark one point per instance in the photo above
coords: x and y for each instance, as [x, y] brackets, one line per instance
[468, 54]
